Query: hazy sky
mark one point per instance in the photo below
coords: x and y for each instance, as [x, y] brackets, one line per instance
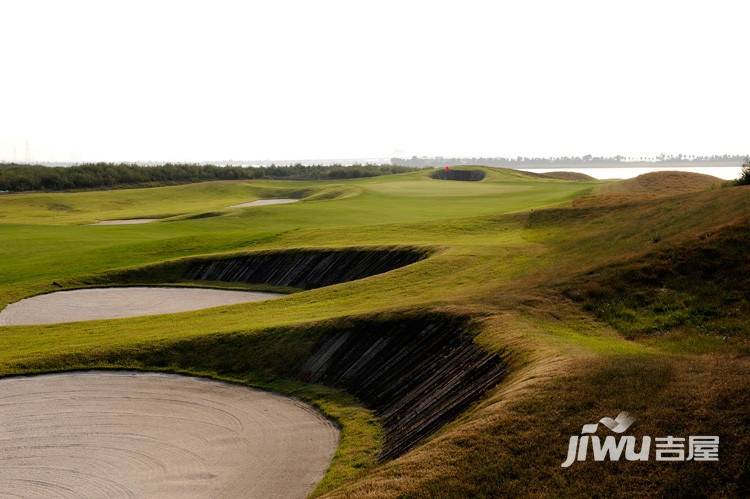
[215, 80]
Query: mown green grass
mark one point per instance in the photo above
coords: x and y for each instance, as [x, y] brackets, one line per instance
[44, 244]
[157, 202]
[497, 253]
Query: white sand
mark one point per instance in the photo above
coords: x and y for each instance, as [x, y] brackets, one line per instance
[103, 435]
[127, 221]
[108, 303]
[264, 202]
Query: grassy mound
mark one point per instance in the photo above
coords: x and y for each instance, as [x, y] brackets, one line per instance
[568, 176]
[512, 447]
[561, 175]
[702, 286]
[336, 191]
[663, 184]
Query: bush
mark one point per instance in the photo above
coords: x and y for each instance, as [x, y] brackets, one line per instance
[745, 175]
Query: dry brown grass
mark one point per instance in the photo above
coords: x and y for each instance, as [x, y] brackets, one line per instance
[568, 369]
[664, 183]
[568, 176]
[436, 468]
[648, 187]
[513, 443]
[561, 175]
[700, 286]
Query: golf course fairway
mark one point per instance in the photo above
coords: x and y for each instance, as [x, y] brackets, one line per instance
[457, 332]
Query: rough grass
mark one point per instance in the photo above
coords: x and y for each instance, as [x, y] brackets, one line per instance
[664, 183]
[701, 286]
[514, 445]
[562, 175]
[504, 250]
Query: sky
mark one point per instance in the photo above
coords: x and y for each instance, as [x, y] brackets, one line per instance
[220, 80]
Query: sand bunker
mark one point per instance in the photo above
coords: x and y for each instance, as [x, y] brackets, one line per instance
[99, 434]
[108, 303]
[264, 202]
[127, 221]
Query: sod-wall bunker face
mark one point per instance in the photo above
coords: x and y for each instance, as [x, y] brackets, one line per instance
[464, 175]
[416, 371]
[285, 270]
[297, 268]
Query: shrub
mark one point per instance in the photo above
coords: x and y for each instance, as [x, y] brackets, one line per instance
[745, 175]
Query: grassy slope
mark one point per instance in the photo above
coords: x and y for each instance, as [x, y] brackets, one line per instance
[700, 286]
[497, 260]
[664, 183]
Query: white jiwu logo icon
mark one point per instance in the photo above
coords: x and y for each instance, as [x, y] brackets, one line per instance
[700, 447]
[610, 447]
[618, 425]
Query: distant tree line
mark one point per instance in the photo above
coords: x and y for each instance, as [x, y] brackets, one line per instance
[588, 159]
[22, 177]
